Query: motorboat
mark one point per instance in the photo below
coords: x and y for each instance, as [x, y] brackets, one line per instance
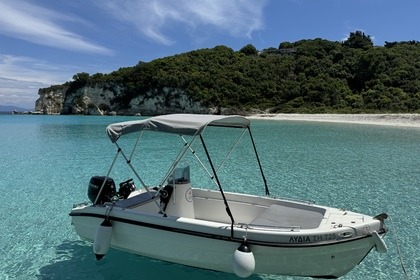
[174, 218]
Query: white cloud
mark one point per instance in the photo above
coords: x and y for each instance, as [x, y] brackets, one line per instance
[21, 77]
[239, 18]
[41, 26]
[19, 93]
[21, 68]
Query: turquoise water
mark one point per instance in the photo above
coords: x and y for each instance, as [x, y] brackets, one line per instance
[46, 163]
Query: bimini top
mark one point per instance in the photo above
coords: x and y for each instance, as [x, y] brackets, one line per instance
[182, 124]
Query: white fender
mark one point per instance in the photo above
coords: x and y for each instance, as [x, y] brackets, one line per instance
[102, 240]
[379, 242]
[243, 262]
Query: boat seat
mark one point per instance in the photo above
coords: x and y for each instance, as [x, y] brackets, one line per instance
[137, 200]
[288, 217]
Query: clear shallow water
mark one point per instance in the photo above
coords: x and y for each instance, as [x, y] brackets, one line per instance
[46, 162]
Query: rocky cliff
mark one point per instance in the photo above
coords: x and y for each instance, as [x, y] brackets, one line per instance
[106, 100]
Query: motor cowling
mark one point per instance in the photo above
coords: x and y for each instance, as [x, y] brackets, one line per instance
[108, 191]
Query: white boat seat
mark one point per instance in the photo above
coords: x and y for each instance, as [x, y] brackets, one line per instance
[288, 217]
[137, 200]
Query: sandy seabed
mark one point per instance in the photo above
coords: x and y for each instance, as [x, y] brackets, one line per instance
[406, 120]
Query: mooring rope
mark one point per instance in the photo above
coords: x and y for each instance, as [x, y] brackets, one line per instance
[109, 209]
[395, 235]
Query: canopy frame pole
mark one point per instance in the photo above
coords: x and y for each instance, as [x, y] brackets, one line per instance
[267, 192]
[219, 185]
[231, 150]
[136, 144]
[223, 162]
[128, 161]
[107, 176]
[178, 158]
[200, 161]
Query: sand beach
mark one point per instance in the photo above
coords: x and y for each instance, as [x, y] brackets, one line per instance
[405, 120]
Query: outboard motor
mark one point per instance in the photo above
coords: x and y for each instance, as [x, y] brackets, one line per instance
[95, 185]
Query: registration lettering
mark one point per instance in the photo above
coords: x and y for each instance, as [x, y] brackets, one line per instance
[299, 239]
[324, 237]
[313, 238]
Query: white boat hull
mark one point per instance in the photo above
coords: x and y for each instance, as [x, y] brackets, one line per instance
[208, 245]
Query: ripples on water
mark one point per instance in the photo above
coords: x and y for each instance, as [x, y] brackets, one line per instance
[46, 162]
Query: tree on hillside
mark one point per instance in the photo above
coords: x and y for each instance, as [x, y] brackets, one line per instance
[358, 40]
[81, 77]
[249, 50]
[79, 80]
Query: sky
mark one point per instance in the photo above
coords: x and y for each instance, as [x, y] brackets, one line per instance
[44, 43]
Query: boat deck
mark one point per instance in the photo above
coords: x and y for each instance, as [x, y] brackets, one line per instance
[262, 214]
[288, 217]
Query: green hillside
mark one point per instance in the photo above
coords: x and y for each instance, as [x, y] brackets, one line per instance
[312, 76]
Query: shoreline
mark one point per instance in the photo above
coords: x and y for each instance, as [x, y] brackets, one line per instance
[402, 120]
